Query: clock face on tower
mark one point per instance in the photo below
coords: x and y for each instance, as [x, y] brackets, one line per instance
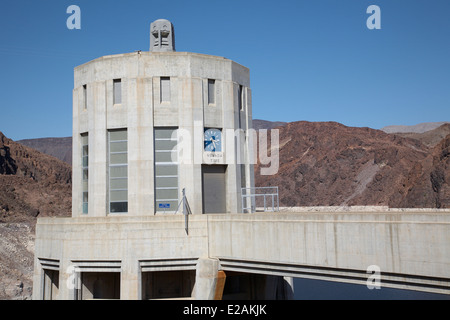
[213, 140]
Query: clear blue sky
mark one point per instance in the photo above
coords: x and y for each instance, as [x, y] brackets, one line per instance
[312, 60]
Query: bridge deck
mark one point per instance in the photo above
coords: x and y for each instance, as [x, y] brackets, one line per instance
[411, 249]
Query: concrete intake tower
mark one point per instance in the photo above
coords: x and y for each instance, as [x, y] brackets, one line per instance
[155, 134]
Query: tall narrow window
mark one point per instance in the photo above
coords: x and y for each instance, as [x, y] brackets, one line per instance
[241, 98]
[166, 170]
[118, 171]
[117, 91]
[211, 91]
[165, 89]
[243, 177]
[85, 170]
[85, 97]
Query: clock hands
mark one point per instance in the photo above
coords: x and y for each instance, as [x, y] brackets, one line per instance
[212, 142]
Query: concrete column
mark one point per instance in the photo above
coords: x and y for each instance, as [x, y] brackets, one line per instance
[38, 278]
[98, 141]
[288, 285]
[76, 156]
[68, 280]
[206, 278]
[129, 283]
[190, 120]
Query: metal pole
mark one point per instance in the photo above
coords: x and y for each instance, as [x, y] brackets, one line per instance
[242, 200]
[185, 212]
[278, 201]
[184, 203]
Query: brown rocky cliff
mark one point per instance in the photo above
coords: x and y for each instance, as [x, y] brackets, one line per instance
[7, 163]
[441, 165]
[32, 183]
[429, 181]
[329, 164]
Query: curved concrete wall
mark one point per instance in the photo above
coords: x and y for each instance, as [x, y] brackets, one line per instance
[141, 110]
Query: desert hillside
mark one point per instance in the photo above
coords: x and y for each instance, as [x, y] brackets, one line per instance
[60, 148]
[32, 183]
[417, 128]
[329, 164]
[321, 164]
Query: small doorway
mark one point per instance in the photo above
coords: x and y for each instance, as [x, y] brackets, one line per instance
[214, 188]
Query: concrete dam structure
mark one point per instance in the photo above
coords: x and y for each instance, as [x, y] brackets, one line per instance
[161, 157]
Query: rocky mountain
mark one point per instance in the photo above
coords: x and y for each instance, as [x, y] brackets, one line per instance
[430, 138]
[329, 164]
[264, 124]
[31, 184]
[417, 128]
[60, 148]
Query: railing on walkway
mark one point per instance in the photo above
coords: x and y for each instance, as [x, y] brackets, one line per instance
[260, 197]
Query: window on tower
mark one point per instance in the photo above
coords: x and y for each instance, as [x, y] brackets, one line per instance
[117, 88]
[166, 170]
[85, 170]
[84, 97]
[165, 89]
[211, 91]
[118, 171]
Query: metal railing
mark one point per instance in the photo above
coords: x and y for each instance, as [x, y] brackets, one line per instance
[260, 197]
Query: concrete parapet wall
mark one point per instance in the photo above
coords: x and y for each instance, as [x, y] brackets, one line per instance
[360, 209]
[396, 242]
[326, 243]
